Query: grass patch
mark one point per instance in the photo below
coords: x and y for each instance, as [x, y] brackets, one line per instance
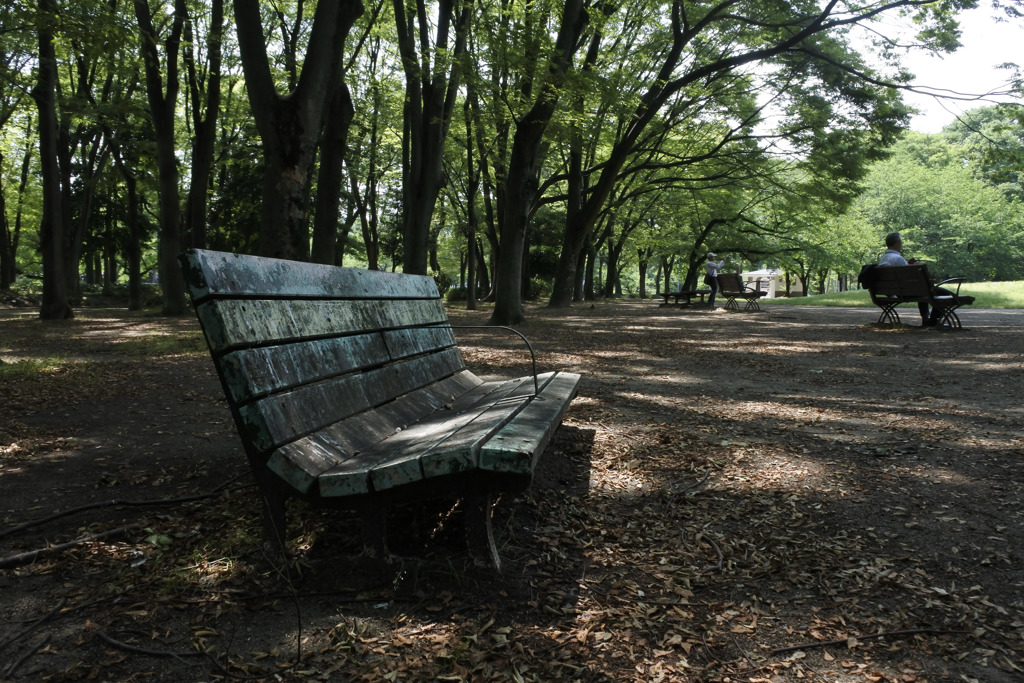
[21, 370]
[986, 295]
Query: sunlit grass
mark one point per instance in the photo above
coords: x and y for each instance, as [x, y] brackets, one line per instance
[986, 295]
[21, 369]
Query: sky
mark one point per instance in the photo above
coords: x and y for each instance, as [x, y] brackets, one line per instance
[971, 69]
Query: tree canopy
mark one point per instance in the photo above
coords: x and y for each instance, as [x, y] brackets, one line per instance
[511, 149]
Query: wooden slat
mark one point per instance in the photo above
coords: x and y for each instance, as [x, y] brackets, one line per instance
[234, 323]
[213, 273]
[417, 340]
[446, 444]
[280, 418]
[251, 373]
[351, 476]
[517, 446]
[301, 462]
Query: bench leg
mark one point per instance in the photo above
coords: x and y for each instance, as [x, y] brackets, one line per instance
[375, 534]
[274, 524]
[889, 315]
[950, 318]
[479, 533]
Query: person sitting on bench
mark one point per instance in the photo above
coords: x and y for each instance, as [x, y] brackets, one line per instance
[893, 256]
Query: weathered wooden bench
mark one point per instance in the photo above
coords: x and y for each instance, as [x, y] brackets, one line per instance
[684, 297]
[348, 390]
[891, 286]
[732, 287]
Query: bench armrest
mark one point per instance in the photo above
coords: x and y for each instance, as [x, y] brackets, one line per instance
[533, 356]
[957, 280]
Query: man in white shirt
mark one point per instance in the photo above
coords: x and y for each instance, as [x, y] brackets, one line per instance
[893, 256]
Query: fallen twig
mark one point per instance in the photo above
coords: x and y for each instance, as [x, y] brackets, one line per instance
[123, 503]
[34, 625]
[22, 659]
[121, 645]
[843, 641]
[721, 557]
[29, 557]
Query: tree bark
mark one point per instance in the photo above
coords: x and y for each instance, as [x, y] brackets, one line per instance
[430, 96]
[330, 177]
[522, 183]
[162, 112]
[205, 112]
[290, 125]
[54, 304]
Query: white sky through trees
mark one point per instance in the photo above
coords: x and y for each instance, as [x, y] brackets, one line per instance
[972, 69]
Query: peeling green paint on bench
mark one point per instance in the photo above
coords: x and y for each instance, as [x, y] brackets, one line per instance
[348, 389]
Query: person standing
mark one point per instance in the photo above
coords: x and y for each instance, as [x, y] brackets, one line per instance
[711, 268]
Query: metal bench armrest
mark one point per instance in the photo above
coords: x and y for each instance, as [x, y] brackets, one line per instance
[533, 356]
[957, 280]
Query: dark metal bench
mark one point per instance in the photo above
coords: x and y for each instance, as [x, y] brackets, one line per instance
[683, 297]
[348, 390]
[732, 287]
[891, 286]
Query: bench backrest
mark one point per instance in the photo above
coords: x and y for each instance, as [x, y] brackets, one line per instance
[301, 346]
[904, 282]
[729, 282]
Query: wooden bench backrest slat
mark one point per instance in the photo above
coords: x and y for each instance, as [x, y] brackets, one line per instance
[729, 282]
[251, 373]
[902, 281]
[235, 323]
[211, 273]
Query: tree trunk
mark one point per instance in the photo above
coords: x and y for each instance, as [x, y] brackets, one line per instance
[430, 96]
[330, 176]
[204, 124]
[522, 183]
[162, 112]
[6, 252]
[54, 304]
[290, 125]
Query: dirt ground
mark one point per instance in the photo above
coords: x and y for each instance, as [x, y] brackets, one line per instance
[795, 494]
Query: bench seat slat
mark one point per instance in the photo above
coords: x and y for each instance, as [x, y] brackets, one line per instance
[439, 447]
[517, 446]
[234, 323]
[300, 463]
[355, 475]
[280, 418]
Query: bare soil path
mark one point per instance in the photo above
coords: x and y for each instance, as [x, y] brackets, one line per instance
[795, 494]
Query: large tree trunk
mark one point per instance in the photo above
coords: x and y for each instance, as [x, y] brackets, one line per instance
[54, 304]
[429, 105]
[330, 177]
[6, 239]
[522, 183]
[162, 112]
[204, 124]
[290, 125]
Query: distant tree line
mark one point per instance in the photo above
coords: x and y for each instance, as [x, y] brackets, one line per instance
[510, 148]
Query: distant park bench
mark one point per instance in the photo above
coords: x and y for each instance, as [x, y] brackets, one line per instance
[348, 390]
[732, 287]
[683, 297]
[891, 286]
